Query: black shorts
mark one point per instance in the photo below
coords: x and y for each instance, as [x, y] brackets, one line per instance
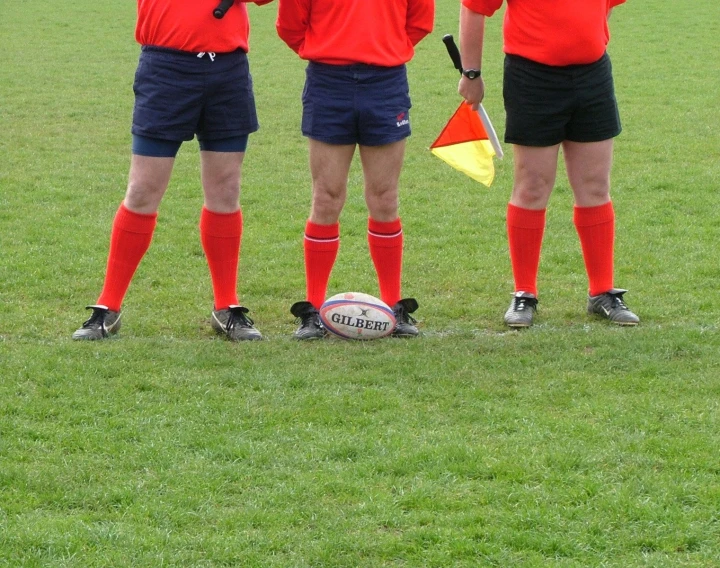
[545, 105]
[179, 95]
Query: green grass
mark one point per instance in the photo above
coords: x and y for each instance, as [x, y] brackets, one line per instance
[573, 444]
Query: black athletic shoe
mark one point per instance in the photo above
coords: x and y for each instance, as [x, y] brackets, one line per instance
[404, 322]
[611, 305]
[102, 324]
[309, 319]
[522, 310]
[234, 323]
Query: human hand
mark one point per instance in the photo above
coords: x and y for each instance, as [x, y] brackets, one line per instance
[472, 90]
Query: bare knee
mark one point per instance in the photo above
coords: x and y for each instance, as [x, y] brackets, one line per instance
[532, 192]
[327, 203]
[382, 202]
[588, 166]
[591, 191]
[223, 194]
[148, 180]
[221, 174]
[143, 197]
[535, 171]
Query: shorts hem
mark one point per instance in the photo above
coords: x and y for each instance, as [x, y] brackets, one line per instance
[330, 140]
[345, 142]
[188, 137]
[532, 144]
[545, 144]
[384, 141]
[168, 136]
[226, 134]
[598, 138]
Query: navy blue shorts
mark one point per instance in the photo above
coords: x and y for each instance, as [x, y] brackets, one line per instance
[179, 95]
[545, 105]
[356, 104]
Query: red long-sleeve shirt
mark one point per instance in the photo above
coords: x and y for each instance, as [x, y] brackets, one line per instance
[553, 32]
[189, 25]
[343, 32]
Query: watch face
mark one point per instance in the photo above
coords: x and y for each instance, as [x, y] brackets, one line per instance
[472, 73]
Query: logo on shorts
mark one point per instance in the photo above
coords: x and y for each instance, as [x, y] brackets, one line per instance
[402, 119]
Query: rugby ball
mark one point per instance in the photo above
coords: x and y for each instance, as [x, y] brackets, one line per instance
[354, 315]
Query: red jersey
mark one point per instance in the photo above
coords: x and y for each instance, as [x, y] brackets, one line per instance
[189, 25]
[553, 32]
[343, 32]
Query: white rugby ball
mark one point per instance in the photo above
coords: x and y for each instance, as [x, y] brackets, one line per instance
[354, 315]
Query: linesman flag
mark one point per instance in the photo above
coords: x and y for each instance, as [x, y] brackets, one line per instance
[468, 143]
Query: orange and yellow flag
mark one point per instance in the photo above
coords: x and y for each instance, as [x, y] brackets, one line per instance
[468, 143]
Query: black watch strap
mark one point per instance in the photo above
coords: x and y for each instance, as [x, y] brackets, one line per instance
[471, 73]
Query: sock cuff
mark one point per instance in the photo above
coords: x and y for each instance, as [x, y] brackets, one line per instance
[384, 229]
[228, 225]
[322, 233]
[597, 215]
[132, 222]
[522, 218]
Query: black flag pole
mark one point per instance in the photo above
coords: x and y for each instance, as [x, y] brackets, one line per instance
[222, 8]
[453, 51]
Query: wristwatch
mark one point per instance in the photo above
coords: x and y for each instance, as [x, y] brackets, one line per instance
[471, 73]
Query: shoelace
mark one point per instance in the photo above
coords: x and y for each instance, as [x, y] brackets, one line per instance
[96, 318]
[522, 303]
[237, 318]
[311, 319]
[401, 316]
[617, 302]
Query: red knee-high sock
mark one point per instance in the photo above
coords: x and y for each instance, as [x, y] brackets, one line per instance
[596, 228]
[526, 228]
[129, 241]
[220, 235]
[321, 244]
[385, 240]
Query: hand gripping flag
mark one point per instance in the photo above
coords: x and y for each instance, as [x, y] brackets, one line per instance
[468, 143]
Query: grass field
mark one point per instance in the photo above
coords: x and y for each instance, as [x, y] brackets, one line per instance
[572, 444]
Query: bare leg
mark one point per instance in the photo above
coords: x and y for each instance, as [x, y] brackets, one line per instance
[588, 166]
[329, 167]
[221, 180]
[535, 171]
[381, 169]
[148, 181]
[221, 223]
